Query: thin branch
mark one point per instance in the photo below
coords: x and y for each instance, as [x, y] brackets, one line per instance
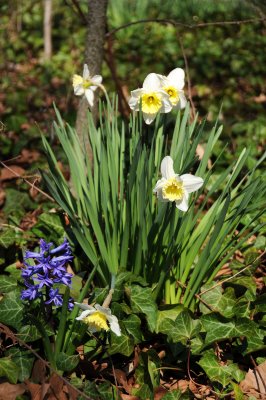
[233, 276]
[188, 77]
[78, 11]
[28, 182]
[188, 26]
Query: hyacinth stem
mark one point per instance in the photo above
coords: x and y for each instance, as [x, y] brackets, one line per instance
[75, 312]
[62, 324]
[46, 342]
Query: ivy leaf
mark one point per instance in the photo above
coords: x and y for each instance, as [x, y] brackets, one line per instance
[142, 302]
[65, 362]
[11, 309]
[7, 284]
[176, 394]
[24, 362]
[53, 222]
[121, 344]
[219, 300]
[9, 369]
[184, 328]
[219, 328]
[222, 373]
[170, 312]
[30, 333]
[7, 238]
[132, 324]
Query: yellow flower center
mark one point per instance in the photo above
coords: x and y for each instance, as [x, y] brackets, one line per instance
[86, 83]
[97, 321]
[173, 189]
[151, 103]
[173, 94]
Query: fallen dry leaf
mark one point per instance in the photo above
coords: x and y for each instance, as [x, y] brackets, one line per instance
[255, 382]
[10, 392]
[7, 173]
[38, 392]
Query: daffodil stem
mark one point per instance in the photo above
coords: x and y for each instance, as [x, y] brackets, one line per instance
[75, 312]
[108, 299]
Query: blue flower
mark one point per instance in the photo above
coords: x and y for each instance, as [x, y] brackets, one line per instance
[55, 297]
[49, 270]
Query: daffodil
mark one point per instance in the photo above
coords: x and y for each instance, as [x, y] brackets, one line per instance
[98, 318]
[173, 84]
[86, 84]
[174, 187]
[150, 98]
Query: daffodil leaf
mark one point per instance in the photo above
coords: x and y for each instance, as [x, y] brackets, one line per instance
[9, 369]
[121, 344]
[142, 302]
[7, 284]
[11, 309]
[65, 362]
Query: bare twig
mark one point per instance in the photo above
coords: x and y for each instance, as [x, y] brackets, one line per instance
[193, 110]
[27, 181]
[233, 276]
[188, 26]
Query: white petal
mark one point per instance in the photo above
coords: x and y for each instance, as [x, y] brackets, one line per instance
[151, 82]
[89, 96]
[177, 78]
[166, 105]
[148, 118]
[191, 183]
[84, 306]
[97, 79]
[133, 102]
[103, 310]
[159, 185]
[86, 72]
[114, 325]
[167, 169]
[78, 90]
[182, 100]
[182, 204]
[84, 314]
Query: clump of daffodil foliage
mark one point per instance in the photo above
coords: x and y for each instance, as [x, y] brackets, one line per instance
[159, 224]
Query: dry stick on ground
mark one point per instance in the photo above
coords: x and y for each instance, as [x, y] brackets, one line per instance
[14, 337]
[28, 182]
[258, 372]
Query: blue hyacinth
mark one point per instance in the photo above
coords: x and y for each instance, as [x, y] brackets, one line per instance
[49, 270]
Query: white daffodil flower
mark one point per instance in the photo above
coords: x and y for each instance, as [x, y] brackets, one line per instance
[173, 84]
[97, 317]
[151, 98]
[86, 84]
[173, 187]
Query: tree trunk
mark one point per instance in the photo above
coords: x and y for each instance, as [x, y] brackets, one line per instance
[94, 58]
[47, 29]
